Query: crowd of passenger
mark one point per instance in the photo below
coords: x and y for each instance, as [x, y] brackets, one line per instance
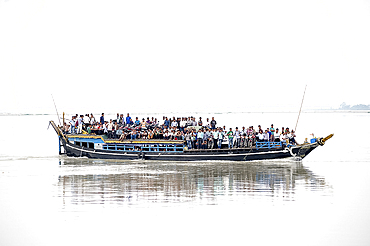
[198, 134]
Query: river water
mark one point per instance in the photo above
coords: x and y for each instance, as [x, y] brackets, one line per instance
[47, 199]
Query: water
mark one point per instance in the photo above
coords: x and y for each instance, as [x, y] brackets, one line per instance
[46, 199]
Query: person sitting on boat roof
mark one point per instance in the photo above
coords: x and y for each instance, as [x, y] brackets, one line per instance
[200, 122]
[128, 119]
[213, 123]
[166, 123]
[137, 121]
[120, 120]
[174, 123]
[142, 124]
[134, 134]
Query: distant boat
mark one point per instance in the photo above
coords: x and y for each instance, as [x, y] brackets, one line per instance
[98, 146]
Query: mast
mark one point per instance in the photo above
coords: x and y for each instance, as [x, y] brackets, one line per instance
[295, 129]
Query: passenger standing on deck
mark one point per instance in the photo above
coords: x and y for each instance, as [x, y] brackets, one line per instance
[92, 119]
[65, 127]
[200, 138]
[105, 130]
[86, 120]
[237, 137]
[259, 128]
[210, 139]
[283, 137]
[72, 123]
[80, 122]
[243, 138]
[215, 137]
[230, 136]
[266, 136]
[277, 135]
[102, 119]
[182, 124]
[193, 139]
[188, 139]
[260, 135]
[110, 129]
[220, 137]
[272, 130]
[115, 130]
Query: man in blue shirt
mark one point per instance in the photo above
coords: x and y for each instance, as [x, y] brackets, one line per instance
[128, 119]
[167, 122]
[102, 118]
[137, 121]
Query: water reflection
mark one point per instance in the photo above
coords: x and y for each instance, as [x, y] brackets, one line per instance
[88, 182]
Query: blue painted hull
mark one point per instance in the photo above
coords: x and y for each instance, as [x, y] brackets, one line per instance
[236, 154]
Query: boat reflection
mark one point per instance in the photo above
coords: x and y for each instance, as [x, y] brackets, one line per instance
[86, 181]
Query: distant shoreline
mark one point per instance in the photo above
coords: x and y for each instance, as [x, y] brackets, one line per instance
[215, 113]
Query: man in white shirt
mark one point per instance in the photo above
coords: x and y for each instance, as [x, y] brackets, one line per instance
[220, 137]
[72, 123]
[80, 124]
[87, 120]
[237, 137]
[174, 123]
[182, 124]
[277, 134]
[110, 129]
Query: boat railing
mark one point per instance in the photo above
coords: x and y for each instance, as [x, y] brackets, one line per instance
[145, 148]
[269, 145]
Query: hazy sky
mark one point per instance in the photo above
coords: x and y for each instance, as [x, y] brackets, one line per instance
[207, 56]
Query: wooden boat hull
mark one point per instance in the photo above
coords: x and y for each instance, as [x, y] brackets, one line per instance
[242, 154]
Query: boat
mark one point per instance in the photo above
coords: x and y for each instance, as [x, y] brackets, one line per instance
[100, 147]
